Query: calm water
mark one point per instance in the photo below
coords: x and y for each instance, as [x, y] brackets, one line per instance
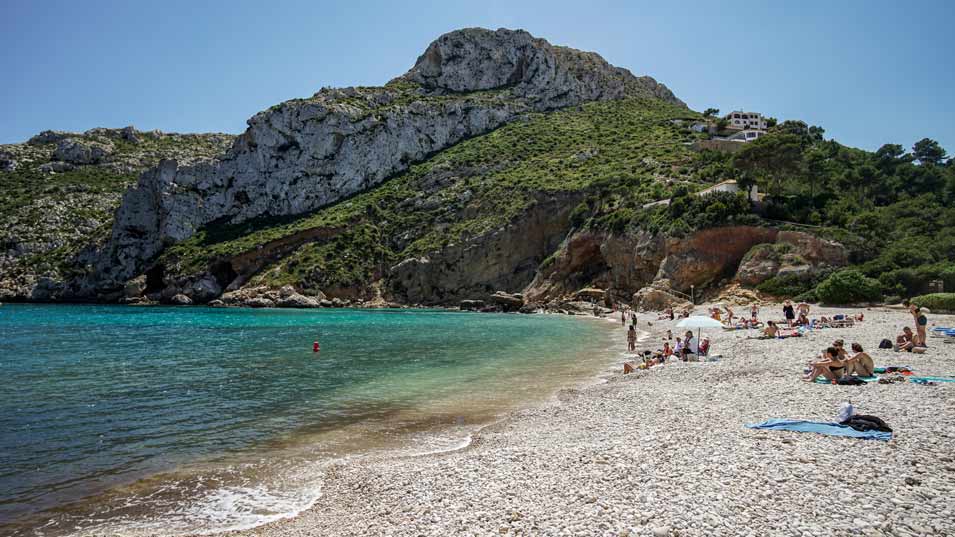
[138, 420]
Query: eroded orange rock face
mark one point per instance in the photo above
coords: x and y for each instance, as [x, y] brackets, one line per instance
[622, 265]
[710, 254]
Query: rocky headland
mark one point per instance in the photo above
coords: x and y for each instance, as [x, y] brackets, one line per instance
[461, 180]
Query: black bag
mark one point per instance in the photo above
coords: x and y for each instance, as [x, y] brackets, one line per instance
[850, 381]
[885, 344]
[863, 422]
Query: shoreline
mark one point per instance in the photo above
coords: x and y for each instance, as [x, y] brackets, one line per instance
[434, 494]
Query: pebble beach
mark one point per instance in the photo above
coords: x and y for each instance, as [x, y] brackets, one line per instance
[665, 452]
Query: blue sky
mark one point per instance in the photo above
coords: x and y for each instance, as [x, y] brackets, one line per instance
[869, 72]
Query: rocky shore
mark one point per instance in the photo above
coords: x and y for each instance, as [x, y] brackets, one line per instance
[665, 452]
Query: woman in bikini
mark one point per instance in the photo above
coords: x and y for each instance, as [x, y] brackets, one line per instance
[830, 366]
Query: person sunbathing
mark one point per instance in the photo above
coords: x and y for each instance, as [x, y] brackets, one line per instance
[860, 363]
[829, 366]
[802, 320]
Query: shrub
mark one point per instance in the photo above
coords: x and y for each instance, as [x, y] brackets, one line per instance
[936, 301]
[580, 214]
[793, 285]
[787, 285]
[848, 286]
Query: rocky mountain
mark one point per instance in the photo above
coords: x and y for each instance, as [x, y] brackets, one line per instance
[467, 178]
[59, 190]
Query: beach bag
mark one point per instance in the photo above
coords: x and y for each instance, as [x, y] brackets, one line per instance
[864, 422]
[885, 344]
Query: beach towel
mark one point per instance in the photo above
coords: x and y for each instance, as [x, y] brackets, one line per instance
[903, 369]
[823, 380]
[924, 380]
[831, 429]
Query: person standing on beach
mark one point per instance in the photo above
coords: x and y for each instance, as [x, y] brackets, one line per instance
[631, 339]
[921, 322]
[789, 313]
[623, 318]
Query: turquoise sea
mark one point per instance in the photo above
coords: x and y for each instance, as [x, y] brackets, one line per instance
[138, 420]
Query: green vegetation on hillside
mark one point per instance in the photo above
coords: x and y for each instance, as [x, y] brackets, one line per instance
[24, 186]
[893, 210]
[629, 148]
[46, 217]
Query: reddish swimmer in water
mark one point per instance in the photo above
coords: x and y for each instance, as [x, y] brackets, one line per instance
[316, 347]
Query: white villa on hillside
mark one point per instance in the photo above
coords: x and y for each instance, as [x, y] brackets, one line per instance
[730, 186]
[726, 186]
[747, 120]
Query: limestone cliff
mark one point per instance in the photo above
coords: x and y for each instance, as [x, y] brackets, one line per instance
[307, 153]
[58, 193]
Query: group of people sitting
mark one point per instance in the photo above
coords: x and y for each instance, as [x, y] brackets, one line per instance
[835, 363]
[914, 341]
[685, 349]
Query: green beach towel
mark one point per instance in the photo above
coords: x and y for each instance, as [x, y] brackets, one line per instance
[823, 380]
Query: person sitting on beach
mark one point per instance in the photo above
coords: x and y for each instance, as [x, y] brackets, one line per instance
[669, 335]
[802, 320]
[829, 366]
[840, 345]
[860, 363]
[705, 347]
[771, 329]
[678, 348]
[860, 317]
[716, 315]
[667, 351]
[905, 341]
[689, 346]
[631, 339]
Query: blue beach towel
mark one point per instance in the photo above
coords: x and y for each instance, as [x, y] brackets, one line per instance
[832, 429]
[923, 380]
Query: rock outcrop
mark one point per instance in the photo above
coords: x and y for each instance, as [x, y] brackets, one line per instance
[307, 153]
[503, 259]
[264, 297]
[654, 272]
[791, 253]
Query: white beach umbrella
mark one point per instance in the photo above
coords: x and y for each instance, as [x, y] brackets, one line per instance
[699, 322]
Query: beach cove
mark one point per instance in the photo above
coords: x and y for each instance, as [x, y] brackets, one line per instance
[666, 452]
[140, 420]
